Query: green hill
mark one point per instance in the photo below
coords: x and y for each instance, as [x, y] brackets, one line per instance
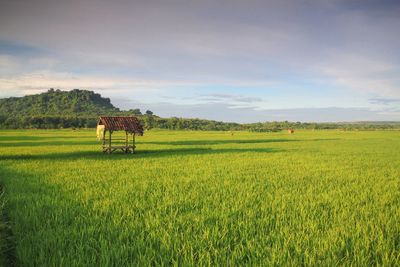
[57, 109]
[58, 103]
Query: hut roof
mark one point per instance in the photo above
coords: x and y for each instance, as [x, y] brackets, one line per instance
[129, 123]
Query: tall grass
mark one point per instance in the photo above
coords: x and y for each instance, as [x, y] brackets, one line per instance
[204, 198]
[3, 227]
[7, 246]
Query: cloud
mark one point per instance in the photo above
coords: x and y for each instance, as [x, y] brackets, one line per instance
[383, 101]
[229, 98]
[41, 81]
[364, 74]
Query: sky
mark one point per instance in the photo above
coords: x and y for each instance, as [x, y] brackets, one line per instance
[238, 61]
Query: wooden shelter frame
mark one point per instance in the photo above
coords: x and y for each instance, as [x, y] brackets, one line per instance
[130, 125]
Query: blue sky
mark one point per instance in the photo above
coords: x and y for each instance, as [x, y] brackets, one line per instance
[241, 61]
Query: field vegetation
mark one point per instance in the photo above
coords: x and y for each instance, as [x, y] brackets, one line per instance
[201, 198]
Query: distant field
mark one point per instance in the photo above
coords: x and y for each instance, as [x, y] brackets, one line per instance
[201, 198]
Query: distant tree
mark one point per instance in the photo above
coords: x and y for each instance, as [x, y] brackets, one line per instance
[148, 121]
[172, 122]
[135, 111]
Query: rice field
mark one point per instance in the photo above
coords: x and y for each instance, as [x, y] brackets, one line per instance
[200, 198]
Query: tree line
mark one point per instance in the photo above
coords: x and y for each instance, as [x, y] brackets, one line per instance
[151, 121]
[77, 108]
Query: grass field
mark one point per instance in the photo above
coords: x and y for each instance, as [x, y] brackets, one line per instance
[201, 198]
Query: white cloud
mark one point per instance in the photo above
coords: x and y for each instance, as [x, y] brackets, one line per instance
[384, 101]
[364, 75]
[42, 81]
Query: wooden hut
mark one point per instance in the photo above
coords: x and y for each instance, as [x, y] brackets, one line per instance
[129, 124]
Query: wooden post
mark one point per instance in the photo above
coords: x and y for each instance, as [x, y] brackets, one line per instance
[109, 144]
[126, 142]
[104, 140]
[133, 142]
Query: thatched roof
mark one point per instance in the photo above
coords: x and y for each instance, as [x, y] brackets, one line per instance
[130, 124]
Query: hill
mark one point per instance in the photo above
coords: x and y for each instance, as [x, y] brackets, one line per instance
[57, 109]
[56, 102]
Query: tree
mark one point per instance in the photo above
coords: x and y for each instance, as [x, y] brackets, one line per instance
[135, 111]
[149, 112]
[148, 122]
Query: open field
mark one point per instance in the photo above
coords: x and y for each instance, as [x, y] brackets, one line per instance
[206, 198]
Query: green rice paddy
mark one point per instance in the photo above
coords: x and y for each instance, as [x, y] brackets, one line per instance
[200, 198]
